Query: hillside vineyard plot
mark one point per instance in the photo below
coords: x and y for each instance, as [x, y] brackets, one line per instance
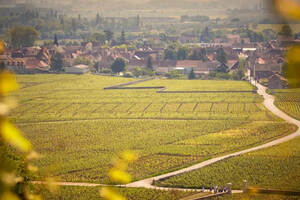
[79, 127]
[289, 101]
[83, 193]
[277, 167]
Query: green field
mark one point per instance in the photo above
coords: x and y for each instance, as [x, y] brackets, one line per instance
[288, 100]
[257, 197]
[79, 127]
[92, 193]
[199, 85]
[277, 167]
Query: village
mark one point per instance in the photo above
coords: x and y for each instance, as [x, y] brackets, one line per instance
[263, 61]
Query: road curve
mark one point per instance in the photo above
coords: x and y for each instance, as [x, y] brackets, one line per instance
[269, 104]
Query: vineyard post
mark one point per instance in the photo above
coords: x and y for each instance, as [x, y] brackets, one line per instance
[245, 186]
[229, 185]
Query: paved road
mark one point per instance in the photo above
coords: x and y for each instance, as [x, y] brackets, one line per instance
[147, 183]
[269, 104]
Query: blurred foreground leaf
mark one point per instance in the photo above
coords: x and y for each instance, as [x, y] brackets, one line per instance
[8, 83]
[110, 194]
[119, 176]
[288, 8]
[9, 196]
[293, 69]
[1, 47]
[14, 137]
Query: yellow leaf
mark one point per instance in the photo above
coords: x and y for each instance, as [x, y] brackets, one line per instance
[8, 196]
[109, 194]
[11, 179]
[129, 156]
[3, 109]
[51, 185]
[32, 168]
[33, 155]
[14, 137]
[34, 197]
[293, 67]
[8, 83]
[2, 48]
[119, 176]
[288, 8]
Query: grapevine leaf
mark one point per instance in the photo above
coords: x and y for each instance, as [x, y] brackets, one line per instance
[288, 8]
[119, 176]
[14, 137]
[8, 83]
[8, 196]
[109, 194]
[293, 67]
[1, 47]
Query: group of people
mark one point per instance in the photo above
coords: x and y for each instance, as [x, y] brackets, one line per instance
[217, 189]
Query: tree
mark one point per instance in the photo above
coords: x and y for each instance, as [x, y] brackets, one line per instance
[221, 56]
[269, 34]
[206, 35]
[149, 63]
[118, 65]
[55, 40]
[199, 54]
[62, 21]
[98, 37]
[97, 19]
[170, 54]
[81, 60]
[109, 35]
[286, 31]
[123, 37]
[22, 36]
[74, 26]
[192, 74]
[57, 62]
[182, 53]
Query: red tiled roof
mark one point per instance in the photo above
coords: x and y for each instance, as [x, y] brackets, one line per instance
[33, 63]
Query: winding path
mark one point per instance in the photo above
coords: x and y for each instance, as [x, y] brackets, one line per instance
[269, 104]
[147, 183]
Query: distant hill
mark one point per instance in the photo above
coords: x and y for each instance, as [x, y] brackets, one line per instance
[150, 4]
[203, 3]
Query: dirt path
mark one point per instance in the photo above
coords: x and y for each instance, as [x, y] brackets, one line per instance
[147, 183]
[269, 104]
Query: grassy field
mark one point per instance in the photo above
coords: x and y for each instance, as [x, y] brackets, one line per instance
[86, 193]
[79, 127]
[288, 100]
[256, 197]
[200, 85]
[277, 167]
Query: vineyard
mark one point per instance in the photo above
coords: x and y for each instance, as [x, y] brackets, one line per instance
[62, 98]
[79, 127]
[256, 197]
[289, 101]
[198, 85]
[82, 193]
[276, 167]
